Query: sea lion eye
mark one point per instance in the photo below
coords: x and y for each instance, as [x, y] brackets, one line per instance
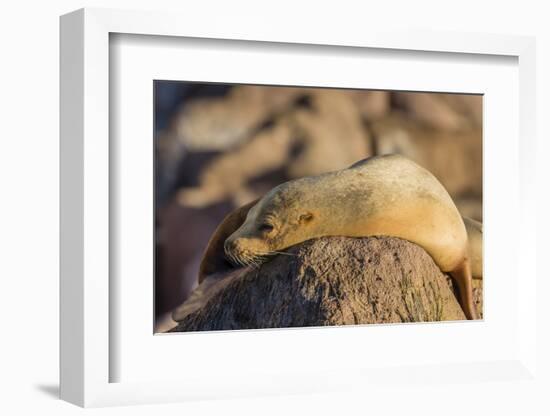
[305, 218]
[266, 227]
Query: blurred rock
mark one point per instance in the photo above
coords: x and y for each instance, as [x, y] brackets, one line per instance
[182, 236]
[331, 134]
[468, 105]
[470, 206]
[440, 111]
[227, 175]
[372, 105]
[221, 123]
[455, 158]
[169, 152]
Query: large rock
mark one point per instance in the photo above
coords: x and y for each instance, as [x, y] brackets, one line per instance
[334, 281]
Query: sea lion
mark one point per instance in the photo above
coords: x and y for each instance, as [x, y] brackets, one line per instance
[474, 229]
[380, 196]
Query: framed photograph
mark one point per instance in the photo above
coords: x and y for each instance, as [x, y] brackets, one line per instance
[273, 212]
[245, 172]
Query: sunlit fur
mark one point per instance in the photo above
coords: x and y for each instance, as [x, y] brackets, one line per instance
[386, 195]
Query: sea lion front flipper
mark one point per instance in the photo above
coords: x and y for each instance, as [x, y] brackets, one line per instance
[213, 259]
[210, 285]
[196, 300]
[463, 278]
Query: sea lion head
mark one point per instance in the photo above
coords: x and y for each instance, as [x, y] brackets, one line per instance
[282, 218]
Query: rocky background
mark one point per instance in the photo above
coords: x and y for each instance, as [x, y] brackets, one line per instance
[219, 146]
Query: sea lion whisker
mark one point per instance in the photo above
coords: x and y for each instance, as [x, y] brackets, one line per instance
[257, 260]
[284, 253]
[274, 253]
[242, 261]
[247, 258]
[236, 260]
[260, 258]
[229, 256]
[254, 260]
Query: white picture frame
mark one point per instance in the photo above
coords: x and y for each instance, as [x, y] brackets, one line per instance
[87, 303]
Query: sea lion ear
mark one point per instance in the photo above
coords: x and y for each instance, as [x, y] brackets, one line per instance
[305, 218]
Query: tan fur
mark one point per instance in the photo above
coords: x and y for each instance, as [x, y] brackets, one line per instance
[387, 195]
[380, 196]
